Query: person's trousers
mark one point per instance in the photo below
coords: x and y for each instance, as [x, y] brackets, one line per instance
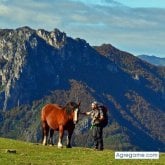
[98, 137]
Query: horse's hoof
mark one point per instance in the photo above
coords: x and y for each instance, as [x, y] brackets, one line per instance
[60, 146]
[68, 146]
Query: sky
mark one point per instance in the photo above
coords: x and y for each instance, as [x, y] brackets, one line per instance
[135, 26]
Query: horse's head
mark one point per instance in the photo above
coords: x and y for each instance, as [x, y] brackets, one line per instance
[74, 109]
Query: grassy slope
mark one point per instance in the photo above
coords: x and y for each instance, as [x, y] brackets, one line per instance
[29, 153]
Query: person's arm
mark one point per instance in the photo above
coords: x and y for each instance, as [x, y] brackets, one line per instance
[101, 118]
[101, 115]
[86, 113]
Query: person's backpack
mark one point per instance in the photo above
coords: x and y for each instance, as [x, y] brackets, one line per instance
[104, 122]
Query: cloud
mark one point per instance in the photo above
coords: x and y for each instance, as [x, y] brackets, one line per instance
[32, 13]
[111, 3]
[3, 10]
[101, 21]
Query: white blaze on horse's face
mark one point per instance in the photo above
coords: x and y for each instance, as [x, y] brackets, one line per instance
[75, 119]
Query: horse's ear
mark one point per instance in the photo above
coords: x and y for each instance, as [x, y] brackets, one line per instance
[79, 103]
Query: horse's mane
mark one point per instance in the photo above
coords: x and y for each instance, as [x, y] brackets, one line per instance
[70, 106]
[58, 106]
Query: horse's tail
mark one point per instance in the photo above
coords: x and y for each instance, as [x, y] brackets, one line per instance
[42, 133]
[44, 124]
[45, 132]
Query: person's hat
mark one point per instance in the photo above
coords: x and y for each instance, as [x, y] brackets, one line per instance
[94, 103]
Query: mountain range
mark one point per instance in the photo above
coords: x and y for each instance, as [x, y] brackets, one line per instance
[158, 61]
[39, 67]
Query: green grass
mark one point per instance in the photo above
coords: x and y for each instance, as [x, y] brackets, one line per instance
[35, 154]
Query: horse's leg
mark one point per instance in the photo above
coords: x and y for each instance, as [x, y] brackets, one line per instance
[45, 129]
[61, 133]
[70, 132]
[51, 137]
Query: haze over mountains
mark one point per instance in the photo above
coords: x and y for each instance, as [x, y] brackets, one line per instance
[153, 60]
[37, 66]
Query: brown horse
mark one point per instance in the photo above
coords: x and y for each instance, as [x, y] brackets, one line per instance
[57, 118]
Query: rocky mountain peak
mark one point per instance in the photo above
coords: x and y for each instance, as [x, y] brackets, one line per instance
[12, 57]
[55, 38]
[29, 57]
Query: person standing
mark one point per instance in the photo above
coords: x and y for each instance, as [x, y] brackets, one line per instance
[97, 130]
